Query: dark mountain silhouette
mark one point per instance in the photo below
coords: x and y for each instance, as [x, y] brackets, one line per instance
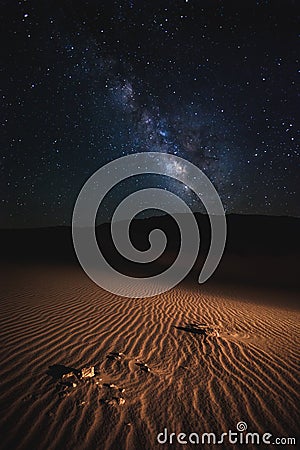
[259, 250]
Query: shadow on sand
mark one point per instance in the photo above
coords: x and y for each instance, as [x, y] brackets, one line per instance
[194, 328]
[58, 370]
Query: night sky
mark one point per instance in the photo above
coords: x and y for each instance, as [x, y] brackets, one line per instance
[84, 83]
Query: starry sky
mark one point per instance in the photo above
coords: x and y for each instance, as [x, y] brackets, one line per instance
[84, 83]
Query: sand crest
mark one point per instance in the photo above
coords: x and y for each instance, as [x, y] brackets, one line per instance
[188, 360]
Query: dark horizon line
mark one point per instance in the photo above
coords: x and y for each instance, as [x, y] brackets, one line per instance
[46, 227]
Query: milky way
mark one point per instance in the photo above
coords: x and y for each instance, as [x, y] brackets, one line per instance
[85, 84]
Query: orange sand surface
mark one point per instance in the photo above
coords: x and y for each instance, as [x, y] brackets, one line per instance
[214, 359]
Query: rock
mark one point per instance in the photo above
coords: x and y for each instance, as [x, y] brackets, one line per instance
[88, 372]
[121, 401]
[69, 378]
[122, 390]
[113, 386]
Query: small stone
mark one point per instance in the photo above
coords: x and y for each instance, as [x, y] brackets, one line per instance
[113, 386]
[88, 372]
[121, 401]
[121, 390]
[69, 380]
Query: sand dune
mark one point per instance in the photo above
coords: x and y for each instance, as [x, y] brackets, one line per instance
[215, 359]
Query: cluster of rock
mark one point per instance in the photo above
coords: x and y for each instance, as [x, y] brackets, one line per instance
[70, 378]
[73, 378]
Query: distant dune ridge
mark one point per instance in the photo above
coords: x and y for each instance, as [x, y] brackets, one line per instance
[215, 357]
[259, 249]
[84, 369]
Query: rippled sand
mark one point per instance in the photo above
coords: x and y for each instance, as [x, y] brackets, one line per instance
[242, 367]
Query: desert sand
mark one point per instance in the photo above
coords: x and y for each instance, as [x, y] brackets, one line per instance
[215, 358]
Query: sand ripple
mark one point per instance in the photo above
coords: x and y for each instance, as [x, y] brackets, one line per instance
[198, 381]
